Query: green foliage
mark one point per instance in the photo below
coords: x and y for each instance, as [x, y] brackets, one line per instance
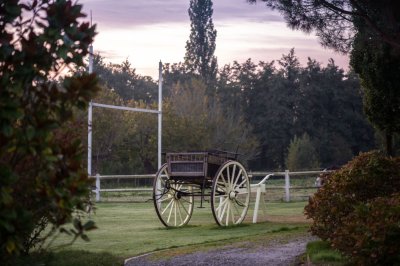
[123, 80]
[194, 121]
[126, 142]
[369, 29]
[333, 21]
[371, 233]
[277, 103]
[42, 179]
[104, 140]
[123, 141]
[381, 142]
[200, 47]
[302, 154]
[344, 210]
[280, 103]
[378, 66]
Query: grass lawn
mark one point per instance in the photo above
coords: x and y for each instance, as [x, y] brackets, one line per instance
[320, 253]
[129, 229]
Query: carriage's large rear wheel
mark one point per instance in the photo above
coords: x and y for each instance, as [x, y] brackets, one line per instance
[173, 200]
[230, 194]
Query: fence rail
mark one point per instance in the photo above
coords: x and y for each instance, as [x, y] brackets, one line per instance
[262, 184]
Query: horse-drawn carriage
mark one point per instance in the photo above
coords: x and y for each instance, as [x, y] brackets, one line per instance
[187, 175]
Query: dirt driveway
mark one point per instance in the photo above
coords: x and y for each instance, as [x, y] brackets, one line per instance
[253, 253]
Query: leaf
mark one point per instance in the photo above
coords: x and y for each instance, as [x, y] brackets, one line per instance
[89, 225]
[63, 230]
[10, 246]
[85, 237]
[30, 133]
[77, 224]
[7, 130]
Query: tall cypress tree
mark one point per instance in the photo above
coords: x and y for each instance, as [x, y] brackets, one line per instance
[200, 47]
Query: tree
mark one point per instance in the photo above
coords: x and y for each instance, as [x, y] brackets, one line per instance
[334, 20]
[379, 69]
[282, 102]
[108, 131]
[122, 78]
[200, 47]
[358, 26]
[282, 108]
[173, 74]
[195, 121]
[42, 178]
[302, 154]
[330, 111]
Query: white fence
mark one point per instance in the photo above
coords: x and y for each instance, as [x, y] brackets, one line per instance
[263, 182]
[99, 177]
[259, 188]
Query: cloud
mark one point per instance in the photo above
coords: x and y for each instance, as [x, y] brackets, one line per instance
[241, 10]
[128, 13]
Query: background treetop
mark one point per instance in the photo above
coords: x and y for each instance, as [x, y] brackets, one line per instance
[335, 21]
[200, 47]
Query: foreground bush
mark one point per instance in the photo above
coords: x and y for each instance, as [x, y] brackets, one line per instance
[371, 233]
[42, 179]
[348, 197]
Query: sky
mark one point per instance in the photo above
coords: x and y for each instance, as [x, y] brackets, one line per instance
[147, 31]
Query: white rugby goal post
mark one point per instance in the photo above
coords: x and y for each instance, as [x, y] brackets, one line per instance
[93, 104]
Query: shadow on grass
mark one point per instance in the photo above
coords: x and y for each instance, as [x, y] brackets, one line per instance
[68, 258]
[177, 228]
[216, 227]
[284, 229]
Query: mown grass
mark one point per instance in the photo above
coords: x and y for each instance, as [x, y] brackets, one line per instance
[320, 253]
[130, 229]
[280, 235]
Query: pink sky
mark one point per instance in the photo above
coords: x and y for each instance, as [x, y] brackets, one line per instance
[147, 31]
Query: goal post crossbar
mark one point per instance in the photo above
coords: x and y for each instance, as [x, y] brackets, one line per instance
[125, 108]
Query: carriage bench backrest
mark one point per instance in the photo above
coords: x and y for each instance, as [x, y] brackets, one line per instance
[195, 163]
[186, 164]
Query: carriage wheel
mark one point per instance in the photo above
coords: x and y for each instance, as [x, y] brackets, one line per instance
[230, 195]
[173, 200]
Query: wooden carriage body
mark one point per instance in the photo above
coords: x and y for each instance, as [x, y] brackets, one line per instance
[196, 167]
[214, 176]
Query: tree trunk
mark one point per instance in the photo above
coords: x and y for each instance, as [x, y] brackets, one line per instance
[389, 143]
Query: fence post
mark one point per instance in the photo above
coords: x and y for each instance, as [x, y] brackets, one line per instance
[287, 186]
[97, 187]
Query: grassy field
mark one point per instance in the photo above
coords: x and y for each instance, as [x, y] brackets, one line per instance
[320, 253]
[129, 229]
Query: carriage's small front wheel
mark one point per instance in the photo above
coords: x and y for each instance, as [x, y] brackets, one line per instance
[173, 200]
[230, 194]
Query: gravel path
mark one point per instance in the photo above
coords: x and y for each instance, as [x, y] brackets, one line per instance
[247, 254]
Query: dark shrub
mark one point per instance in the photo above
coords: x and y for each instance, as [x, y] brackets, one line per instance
[368, 176]
[371, 233]
[42, 179]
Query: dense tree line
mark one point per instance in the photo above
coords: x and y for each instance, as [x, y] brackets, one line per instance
[370, 32]
[126, 142]
[272, 103]
[285, 100]
[285, 107]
